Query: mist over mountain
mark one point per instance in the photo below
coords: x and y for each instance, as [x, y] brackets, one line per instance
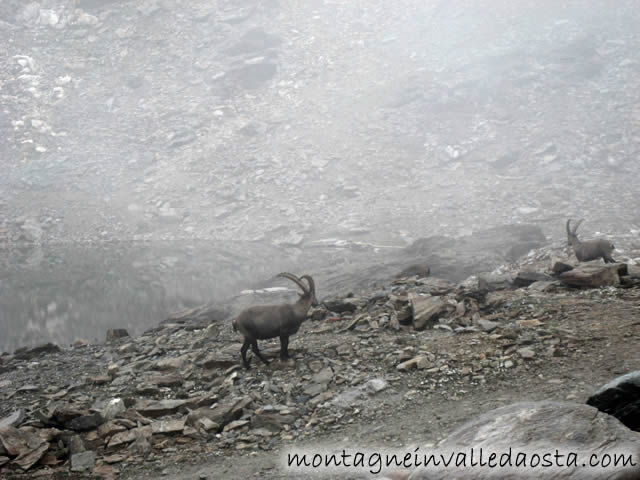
[206, 127]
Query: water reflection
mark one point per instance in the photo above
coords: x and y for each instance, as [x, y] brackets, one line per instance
[59, 293]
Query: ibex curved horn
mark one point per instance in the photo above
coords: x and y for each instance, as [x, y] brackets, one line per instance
[294, 279]
[312, 284]
[575, 229]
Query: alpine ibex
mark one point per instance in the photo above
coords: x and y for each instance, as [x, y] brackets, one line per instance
[589, 249]
[269, 321]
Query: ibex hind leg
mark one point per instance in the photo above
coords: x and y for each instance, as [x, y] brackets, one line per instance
[256, 351]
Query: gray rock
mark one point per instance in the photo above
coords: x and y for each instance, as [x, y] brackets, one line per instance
[541, 426]
[217, 360]
[39, 351]
[64, 413]
[543, 286]
[173, 363]
[168, 426]
[376, 385]
[110, 428]
[122, 380]
[114, 334]
[323, 376]
[160, 408]
[75, 444]
[140, 444]
[235, 424]
[166, 380]
[129, 436]
[83, 461]
[492, 281]
[84, 423]
[487, 325]
[13, 420]
[559, 266]
[425, 310]
[526, 353]
[437, 287]
[113, 408]
[634, 271]
[420, 362]
[27, 446]
[396, 476]
[341, 305]
[592, 275]
[525, 278]
[274, 422]
[349, 397]
[420, 270]
[221, 414]
[207, 424]
[128, 348]
[212, 331]
[315, 389]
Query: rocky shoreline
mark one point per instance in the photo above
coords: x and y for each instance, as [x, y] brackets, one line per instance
[178, 391]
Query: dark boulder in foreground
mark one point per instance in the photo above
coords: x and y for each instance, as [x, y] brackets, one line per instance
[620, 398]
[540, 427]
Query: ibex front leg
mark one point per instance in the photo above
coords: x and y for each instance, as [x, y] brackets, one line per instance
[284, 347]
[243, 352]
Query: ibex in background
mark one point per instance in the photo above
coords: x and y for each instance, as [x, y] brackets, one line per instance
[589, 249]
[269, 321]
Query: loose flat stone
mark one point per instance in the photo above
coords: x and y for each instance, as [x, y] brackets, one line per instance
[83, 461]
[161, 408]
[168, 426]
[14, 419]
[235, 424]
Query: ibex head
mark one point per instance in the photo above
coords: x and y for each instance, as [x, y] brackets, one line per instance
[308, 293]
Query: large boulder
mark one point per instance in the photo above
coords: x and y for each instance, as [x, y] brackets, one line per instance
[425, 310]
[594, 275]
[620, 398]
[518, 432]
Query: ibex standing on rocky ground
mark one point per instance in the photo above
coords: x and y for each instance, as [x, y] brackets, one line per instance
[589, 249]
[269, 321]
